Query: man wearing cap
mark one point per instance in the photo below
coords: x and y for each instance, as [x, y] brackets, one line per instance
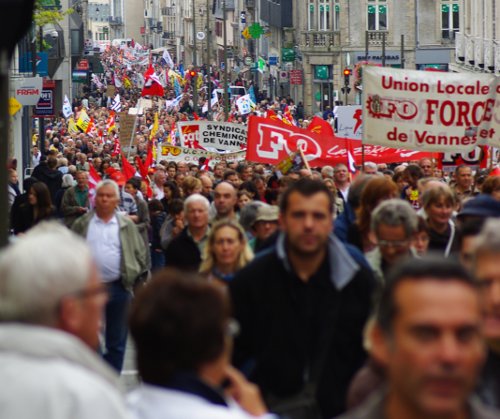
[265, 227]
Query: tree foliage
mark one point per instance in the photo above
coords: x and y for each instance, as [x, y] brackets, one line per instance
[49, 11]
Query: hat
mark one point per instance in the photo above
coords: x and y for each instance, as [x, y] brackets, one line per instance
[267, 213]
[481, 206]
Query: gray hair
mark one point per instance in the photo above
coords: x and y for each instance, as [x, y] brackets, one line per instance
[67, 180]
[108, 182]
[196, 197]
[488, 240]
[394, 213]
[39, 269]
[328, 170]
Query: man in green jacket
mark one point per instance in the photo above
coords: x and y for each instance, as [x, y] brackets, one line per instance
[120, 255]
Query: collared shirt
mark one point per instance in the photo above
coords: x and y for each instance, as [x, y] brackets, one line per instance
[104, 241]
[202, 242]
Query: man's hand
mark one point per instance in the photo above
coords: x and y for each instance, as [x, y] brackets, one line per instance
[246, 394]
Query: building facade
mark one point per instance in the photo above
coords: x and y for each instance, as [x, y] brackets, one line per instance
[477, 32]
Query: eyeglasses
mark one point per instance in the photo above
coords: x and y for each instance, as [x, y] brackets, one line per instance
[392, 243]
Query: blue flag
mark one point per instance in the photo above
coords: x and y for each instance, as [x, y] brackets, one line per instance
[252, 94]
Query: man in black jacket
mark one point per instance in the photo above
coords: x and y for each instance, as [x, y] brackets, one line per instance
[302, 307]
[184, 251]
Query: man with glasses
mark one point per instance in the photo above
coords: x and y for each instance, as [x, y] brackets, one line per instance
[51, 302]
[393, 224]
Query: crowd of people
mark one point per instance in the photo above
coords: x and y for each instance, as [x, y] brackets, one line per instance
[251, 293]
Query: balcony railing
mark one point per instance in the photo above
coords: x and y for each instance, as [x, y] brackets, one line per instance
[320, 41]
[482, 54]
[115, 20]
[377, 37]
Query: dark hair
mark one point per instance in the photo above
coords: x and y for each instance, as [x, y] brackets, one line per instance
[306, 187]
[490, 185]
[460, 167]
[52, 162]
[178, 323]
[470, 228]
[174, 188]
[176, 206]
[432, 267]
[227, 173]
[135, 182]
[155, 205]
[422, 226]
[249, 186]
[43, 200]
[414, 171]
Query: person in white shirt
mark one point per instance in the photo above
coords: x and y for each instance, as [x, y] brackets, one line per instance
[51, 301]
[120, 255]
[183, 336]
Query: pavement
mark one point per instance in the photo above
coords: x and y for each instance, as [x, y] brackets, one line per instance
[129, 378]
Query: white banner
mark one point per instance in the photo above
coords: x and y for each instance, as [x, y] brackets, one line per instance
[192, 155]
[219, 135]
[349, 122]
[430, 111]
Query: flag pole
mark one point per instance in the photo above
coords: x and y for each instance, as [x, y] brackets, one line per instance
[306, 163]
[134, 129]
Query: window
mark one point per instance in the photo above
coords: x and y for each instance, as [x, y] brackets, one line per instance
[310, 15]
[377, 15]
[323, 15]
[449, 18]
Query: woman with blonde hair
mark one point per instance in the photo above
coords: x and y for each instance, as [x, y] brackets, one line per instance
[226, 252]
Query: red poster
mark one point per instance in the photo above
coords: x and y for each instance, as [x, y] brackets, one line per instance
[271, 141]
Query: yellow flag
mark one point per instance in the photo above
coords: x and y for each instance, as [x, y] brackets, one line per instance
[83, 121]
[154, 130]
[199, 81]
[72, 126]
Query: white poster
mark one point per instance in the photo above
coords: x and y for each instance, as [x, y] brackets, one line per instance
[349, 122]
[192, 155]
[210, 134]
[430, 111]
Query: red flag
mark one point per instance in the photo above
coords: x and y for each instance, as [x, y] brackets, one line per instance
[320, 126]
[152, 85]
[272, 141]
[195, 116]
[94, 179]
[116, 148]
[127, 168]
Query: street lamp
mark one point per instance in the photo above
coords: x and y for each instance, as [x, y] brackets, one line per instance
[195, 87]
[226, 84]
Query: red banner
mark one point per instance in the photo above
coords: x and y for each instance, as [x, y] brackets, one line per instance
[271, 141]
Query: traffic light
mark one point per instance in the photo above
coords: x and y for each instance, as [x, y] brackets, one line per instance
[347, 76]
[193, 74]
